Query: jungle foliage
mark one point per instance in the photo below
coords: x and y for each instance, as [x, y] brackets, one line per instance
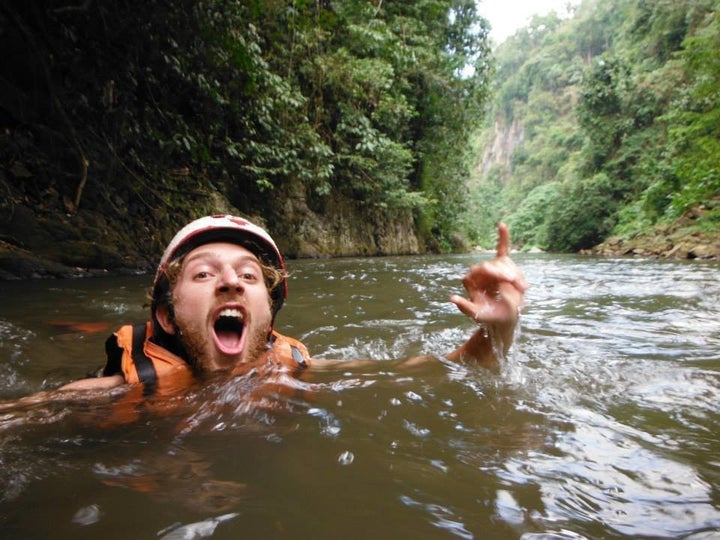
[140, 104]
[618, 113]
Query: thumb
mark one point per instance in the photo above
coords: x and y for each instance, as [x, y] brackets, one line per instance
[464, 305]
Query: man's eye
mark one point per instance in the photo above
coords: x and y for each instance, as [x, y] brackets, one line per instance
[202, 275]
[247, 276]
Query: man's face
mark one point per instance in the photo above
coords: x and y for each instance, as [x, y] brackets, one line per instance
[222, 306]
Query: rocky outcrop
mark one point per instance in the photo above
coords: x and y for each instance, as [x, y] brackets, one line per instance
[694, 246]
[338, 227]
[680, 240]
[41, 241]
[504, 139]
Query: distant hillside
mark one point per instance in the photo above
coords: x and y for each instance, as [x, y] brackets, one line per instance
[605, 125]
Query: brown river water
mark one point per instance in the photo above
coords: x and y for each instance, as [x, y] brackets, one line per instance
[603, 423]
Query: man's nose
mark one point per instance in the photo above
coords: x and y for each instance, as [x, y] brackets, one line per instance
[229, 280]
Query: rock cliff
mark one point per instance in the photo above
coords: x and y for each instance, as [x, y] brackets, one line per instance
[40, 238]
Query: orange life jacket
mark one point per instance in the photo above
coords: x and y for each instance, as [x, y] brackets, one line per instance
[142, 360]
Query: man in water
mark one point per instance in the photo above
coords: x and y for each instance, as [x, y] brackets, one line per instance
[218, 288]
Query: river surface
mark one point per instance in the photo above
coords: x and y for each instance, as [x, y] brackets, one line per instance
[603, 423]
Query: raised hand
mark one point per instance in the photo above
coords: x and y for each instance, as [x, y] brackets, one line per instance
[496, 291]
[496, 288]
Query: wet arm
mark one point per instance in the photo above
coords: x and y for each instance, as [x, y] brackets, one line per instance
[496, 291]
[64, 392]
[94, 383]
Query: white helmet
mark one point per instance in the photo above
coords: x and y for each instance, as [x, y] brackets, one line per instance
[225, 228]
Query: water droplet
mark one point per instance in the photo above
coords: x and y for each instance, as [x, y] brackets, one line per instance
[439, 464]
[416, 430]
[346, 458]
[88, 515]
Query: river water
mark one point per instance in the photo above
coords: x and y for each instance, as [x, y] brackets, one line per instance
[603, 423]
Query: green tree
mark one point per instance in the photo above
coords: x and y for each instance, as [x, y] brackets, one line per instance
[601, 110]
[695, 131]
[580, 214]
[529, 224]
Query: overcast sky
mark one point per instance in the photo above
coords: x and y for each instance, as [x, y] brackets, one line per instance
[506, 16]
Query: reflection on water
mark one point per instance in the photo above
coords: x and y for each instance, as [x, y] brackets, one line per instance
[603, 424]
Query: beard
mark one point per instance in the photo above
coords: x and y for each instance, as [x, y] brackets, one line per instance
[200, 348]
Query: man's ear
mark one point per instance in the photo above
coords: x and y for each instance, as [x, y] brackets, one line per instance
[163, 317]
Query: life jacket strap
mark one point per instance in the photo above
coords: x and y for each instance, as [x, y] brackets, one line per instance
[113, 357]
[143, 365]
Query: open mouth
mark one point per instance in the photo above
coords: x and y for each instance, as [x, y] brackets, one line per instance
[229, 331]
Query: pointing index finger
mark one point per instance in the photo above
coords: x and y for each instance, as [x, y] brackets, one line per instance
[503, 244]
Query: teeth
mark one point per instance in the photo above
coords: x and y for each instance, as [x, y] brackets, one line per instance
[230, 312]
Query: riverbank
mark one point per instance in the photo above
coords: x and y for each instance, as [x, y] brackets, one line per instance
[696, 246]
[17, 263]
[690, 237]
[687, 238]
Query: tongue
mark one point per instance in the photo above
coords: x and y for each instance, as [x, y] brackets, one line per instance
[229, 341]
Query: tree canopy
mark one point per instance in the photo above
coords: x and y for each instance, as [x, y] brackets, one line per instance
[123, 103]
